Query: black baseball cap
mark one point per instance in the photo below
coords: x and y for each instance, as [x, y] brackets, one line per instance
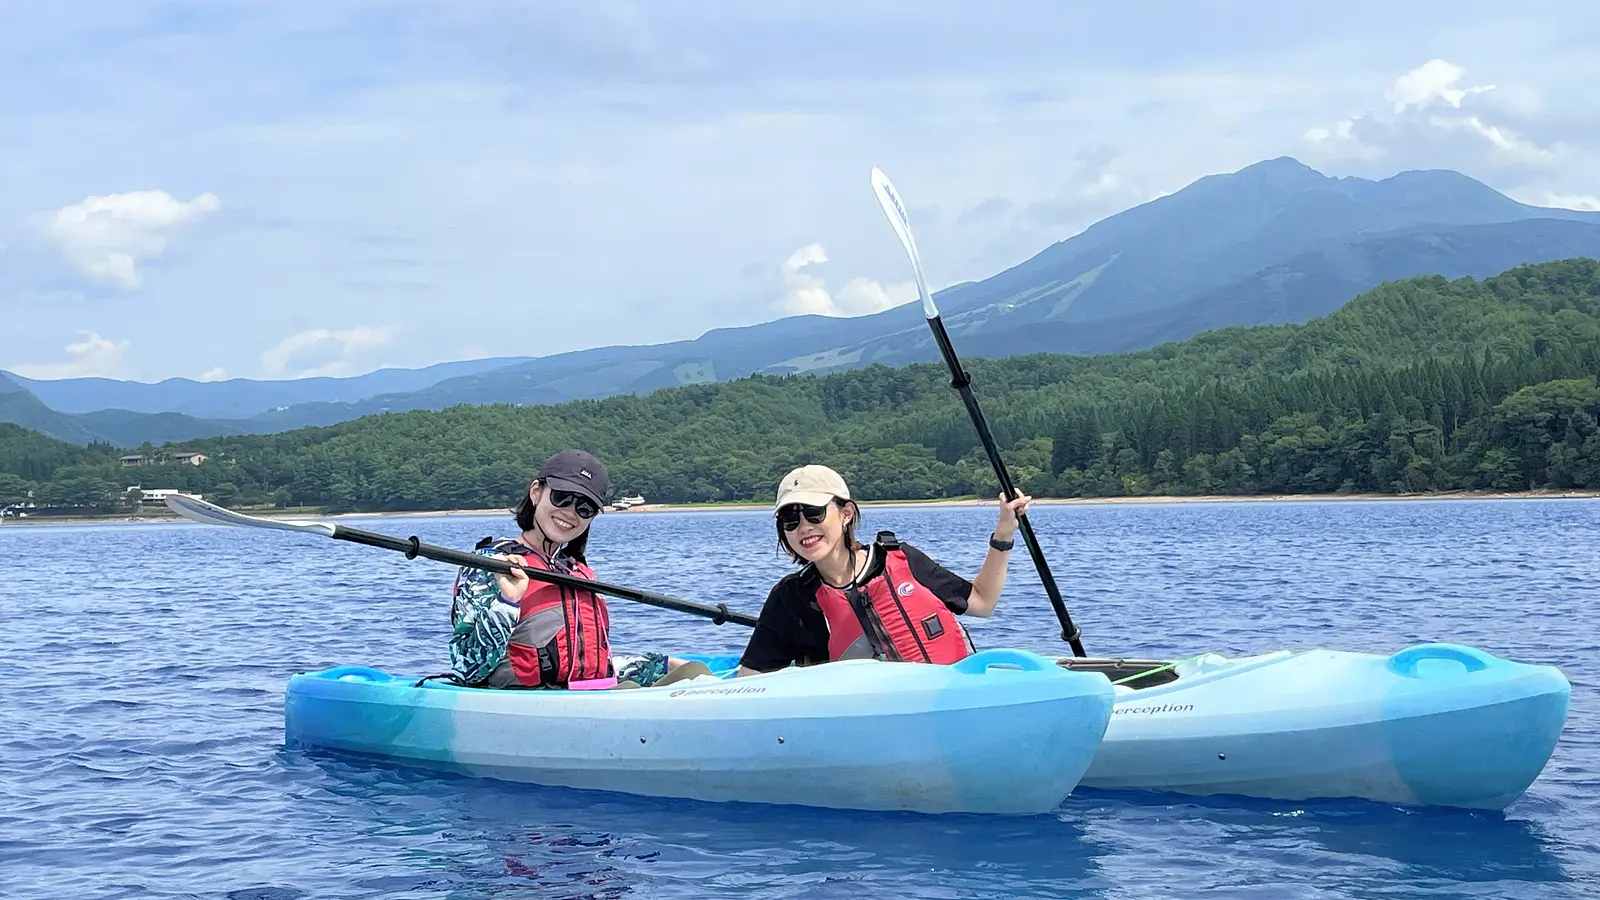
[575, 470]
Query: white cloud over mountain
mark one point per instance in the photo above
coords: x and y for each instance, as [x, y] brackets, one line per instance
[106, 236]
[90, 356]
[809, 295]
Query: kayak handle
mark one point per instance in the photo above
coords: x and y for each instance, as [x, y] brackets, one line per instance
[1405, 662]
[1002, 657]
[355, 673]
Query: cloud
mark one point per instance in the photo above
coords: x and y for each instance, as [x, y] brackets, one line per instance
[1341, 139]
[94, 356]
[106, 235]
[861, 296]
[808, 294]
[1105, 184]
[1433, 80]
[1501, 138]
[320, 352]
[1425, 104]
[1584, 202]
[216, 374]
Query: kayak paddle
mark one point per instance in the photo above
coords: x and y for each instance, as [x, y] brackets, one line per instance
[889, 199]
[197, 510]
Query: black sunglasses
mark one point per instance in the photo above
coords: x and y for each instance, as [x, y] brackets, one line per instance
[583, 506]
[789, 516]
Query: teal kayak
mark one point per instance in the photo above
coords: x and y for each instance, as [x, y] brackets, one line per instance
[1428, 725]
[1001, 732]
[1442, 725]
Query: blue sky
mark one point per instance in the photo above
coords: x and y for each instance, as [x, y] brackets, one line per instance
[274, 189]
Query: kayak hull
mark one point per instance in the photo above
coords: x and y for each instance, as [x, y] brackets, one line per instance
[1430, 725]
[1003, 732]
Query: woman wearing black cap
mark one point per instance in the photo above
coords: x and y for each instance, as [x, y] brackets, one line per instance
[511, 631]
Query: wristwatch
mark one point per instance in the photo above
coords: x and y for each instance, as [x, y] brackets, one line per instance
[999, 544]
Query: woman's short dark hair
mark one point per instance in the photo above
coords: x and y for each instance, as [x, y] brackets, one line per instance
[849, 531]
[575, 549]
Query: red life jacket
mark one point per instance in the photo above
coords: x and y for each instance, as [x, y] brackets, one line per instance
[893, 617]
[562, 634]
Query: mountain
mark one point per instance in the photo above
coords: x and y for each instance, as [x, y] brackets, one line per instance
[117, 427]
[123, 428]
[1417, 385]
[238, 397]
[1273, 243]
[19, 407]
[1305, 287]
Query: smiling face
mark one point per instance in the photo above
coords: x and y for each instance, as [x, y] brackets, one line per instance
[557, 523]
[812, 541]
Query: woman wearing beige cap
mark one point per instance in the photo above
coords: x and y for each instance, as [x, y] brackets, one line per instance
[884, 600]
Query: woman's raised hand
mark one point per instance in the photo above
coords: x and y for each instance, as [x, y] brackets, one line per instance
[1010, 511]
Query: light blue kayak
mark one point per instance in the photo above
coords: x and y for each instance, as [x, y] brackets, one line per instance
[1003, 731]
[1429, 725]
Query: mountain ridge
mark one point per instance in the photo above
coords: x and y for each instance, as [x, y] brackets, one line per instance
[1275, 242]
[237, 397]
[1417, 385]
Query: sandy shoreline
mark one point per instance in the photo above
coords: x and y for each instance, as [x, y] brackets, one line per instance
[154, 517]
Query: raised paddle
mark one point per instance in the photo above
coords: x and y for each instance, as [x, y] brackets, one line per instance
[197, 510]
[889, 199]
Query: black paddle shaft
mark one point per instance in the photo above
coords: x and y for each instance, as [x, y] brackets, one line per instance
[413, 548]
[963, 384]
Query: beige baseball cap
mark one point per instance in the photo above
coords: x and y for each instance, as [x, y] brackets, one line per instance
[811, 485]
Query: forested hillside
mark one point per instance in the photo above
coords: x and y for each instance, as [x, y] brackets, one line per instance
[1419, 385]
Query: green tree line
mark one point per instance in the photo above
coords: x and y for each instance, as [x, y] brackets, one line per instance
[1419, 385]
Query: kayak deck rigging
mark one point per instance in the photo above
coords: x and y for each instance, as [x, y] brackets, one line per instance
[1134, 673]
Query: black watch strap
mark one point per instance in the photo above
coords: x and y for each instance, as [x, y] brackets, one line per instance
[999, 544]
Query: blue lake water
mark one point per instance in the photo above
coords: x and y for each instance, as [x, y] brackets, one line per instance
[141, 743]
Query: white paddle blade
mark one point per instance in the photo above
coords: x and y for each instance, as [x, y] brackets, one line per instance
[889, 199]
[197, 510]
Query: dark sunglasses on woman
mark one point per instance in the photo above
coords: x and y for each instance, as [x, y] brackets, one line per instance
[789, 516]
[583, 506]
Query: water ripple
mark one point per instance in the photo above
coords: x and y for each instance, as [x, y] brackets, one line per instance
[141, 749]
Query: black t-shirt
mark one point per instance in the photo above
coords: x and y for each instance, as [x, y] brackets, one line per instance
[791, 628]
